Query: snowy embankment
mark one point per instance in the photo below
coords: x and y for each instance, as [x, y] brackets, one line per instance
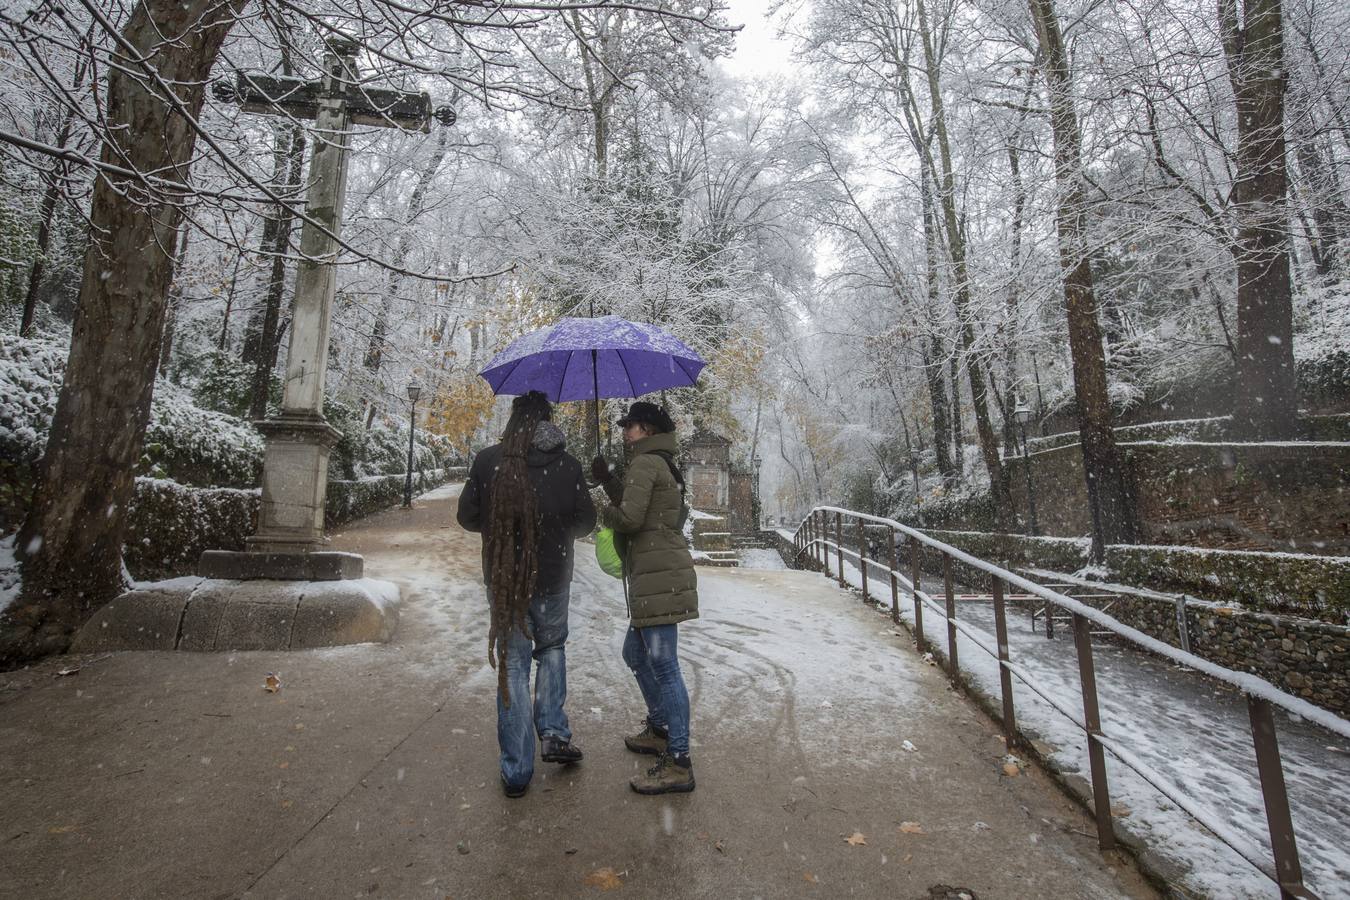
[1191, 729]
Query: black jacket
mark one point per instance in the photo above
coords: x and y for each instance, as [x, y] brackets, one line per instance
[565, 508]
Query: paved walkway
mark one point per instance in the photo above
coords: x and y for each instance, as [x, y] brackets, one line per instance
[373, 771]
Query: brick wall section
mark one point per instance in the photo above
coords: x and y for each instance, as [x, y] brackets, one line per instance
[1234, 496]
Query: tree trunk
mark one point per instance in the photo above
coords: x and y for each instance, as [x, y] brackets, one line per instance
[1266, 401]
[416, 203]
[269, 334]
[934, 353]
[998, 482]
[1322, 188]
[1108, 496]
[175, 299]
[71, 543]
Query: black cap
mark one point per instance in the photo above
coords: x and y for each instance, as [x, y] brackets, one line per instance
[649, 414]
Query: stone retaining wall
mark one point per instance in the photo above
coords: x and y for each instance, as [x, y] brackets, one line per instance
[1291, 496]
[1283, 617]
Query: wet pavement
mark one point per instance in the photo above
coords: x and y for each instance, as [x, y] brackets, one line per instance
[372, 772]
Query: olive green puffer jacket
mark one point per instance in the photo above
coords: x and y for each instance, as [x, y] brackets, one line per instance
[662, 586]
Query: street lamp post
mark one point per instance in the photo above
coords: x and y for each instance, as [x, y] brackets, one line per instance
[1022, 415]
[414, 391]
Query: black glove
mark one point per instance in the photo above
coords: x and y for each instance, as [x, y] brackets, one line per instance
[600, 470]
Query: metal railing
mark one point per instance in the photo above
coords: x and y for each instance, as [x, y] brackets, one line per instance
[820, 536]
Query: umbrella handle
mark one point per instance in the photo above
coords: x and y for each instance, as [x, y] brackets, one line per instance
[595, 408]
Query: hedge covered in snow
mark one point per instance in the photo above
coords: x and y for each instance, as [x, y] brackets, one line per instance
[170, 525]
[185, 441]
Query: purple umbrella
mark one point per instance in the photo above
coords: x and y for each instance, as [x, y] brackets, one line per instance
[590, 359]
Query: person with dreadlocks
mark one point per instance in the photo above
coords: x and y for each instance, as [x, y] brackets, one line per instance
[661, 587]
[528, 497]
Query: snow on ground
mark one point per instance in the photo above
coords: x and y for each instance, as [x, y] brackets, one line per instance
[757, 558]
[9, 573]
[1193, 730]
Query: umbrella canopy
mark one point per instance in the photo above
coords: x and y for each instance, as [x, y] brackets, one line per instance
[591, 359]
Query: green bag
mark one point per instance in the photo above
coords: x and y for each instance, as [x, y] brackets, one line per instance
[609, 549]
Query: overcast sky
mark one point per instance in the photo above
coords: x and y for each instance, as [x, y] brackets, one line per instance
[758, 52]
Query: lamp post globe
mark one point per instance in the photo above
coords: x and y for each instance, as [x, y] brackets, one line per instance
[414, 391]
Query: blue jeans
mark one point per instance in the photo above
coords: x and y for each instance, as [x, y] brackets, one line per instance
[653, 655]
[516, 726]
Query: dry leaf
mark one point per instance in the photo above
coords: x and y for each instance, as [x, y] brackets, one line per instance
[911, 828]
[605, 879]
[1011, 770]
[1120, 810]
[807, 876]
[62, 829]
[856, 839]
[284, 765]
[272, 684]
[720, 847]
[285, 804]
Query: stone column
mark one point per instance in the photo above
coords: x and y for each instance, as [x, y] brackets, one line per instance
[299, 438]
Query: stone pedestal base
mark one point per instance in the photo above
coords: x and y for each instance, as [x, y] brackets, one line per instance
[294, 484]
[212, 614]
[318, 566]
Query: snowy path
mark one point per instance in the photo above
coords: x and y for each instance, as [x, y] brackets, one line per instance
[373, 771]
[1190, 728]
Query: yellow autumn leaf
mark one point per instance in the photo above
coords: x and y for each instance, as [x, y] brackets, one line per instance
[911, 828]
[856, 839]
[605, 879]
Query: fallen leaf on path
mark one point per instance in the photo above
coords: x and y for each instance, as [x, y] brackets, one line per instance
[605, 879]
[284, 765]
[720, 847]
[62, 829]
[911, 828]
[856, 839]
[1120, 810]
[272, 684]
[807, 876]
[286, 804]
[1011, 770]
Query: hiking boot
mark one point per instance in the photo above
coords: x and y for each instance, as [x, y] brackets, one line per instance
[556, 750]
[651, 739]
[514, 790]
[666, 777]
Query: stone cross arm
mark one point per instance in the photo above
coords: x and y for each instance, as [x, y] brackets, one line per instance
[378, 107]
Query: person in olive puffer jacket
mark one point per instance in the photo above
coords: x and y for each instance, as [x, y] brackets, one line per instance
[661, 587]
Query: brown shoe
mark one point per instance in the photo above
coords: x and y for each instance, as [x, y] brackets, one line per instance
[649, 740]
[666, 777]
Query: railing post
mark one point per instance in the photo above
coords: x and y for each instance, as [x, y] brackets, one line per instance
[819, 531]
[839, 545]
[808, 548]
[862, 555]
[916, 574]
[953, 663]
[895, 581]
[1049, 620]
[1004, 673]
[1101, 793]
[1278, 819]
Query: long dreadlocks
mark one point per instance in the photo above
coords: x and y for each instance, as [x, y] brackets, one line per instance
[513, 533]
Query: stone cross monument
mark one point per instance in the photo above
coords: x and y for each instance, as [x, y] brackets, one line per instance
[290, 541]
